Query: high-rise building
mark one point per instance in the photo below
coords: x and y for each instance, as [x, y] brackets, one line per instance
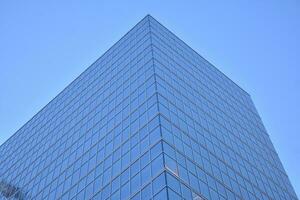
[150, 119]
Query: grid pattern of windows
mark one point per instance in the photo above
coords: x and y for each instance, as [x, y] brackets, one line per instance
[150, 119]
[214, 140]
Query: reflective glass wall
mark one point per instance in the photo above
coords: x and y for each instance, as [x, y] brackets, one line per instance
[150, 119]
[215, 145]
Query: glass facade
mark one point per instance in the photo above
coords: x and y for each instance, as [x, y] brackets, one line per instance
[150, 119]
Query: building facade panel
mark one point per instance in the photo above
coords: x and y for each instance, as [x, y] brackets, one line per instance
[98, 139]
[150, 119]
[213, 123]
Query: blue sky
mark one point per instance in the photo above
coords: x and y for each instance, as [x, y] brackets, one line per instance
[44, 45]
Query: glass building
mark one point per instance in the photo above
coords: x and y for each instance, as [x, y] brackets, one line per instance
[150, 119]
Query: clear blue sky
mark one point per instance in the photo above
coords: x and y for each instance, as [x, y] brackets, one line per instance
[44, 45]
